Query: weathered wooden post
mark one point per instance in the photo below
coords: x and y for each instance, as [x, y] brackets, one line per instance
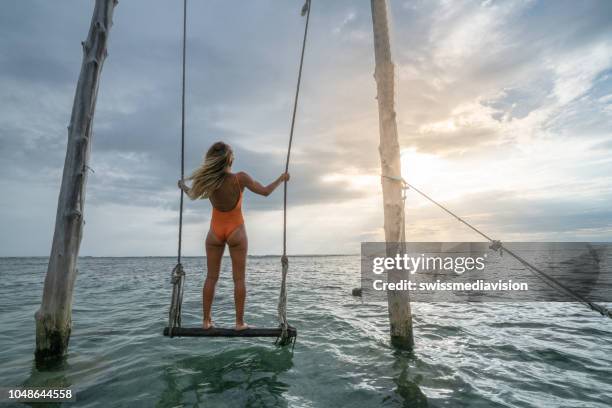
[54, 318]
[400, 316]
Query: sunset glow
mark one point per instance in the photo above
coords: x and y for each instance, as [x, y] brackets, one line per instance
[503, 114]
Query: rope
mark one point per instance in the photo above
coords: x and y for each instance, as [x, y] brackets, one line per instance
[178, 281]
[180, 238]
[282, 298]
[497, 245]
[178, 273]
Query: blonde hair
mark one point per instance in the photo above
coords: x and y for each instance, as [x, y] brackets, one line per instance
[212, 172]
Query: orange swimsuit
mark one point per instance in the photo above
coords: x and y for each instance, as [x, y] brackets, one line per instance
[223, 223]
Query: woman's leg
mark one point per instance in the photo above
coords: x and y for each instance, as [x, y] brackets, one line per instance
[214, 254]
[238, 244]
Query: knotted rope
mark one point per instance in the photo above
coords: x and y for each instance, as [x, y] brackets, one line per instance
[282, 298]
[498, 246]
[178, 273]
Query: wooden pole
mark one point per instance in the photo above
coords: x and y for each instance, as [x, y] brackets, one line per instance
[400, 316]
[54, 318]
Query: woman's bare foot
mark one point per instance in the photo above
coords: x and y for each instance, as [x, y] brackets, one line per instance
[208, 324]
[242, 326]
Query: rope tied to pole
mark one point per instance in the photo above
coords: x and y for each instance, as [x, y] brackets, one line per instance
[499, 247]
[282, 298]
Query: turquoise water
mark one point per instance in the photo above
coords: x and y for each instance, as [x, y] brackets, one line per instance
[467, 355]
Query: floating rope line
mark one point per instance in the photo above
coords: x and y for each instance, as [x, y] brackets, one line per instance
[282, 298]
[497, 246]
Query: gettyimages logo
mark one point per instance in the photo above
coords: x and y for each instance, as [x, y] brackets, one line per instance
[414, 264]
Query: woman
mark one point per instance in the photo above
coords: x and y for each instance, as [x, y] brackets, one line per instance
[215, 181]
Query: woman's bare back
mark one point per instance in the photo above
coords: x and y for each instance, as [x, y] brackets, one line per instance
[226, 197]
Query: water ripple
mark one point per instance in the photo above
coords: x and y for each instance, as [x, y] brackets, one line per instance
[467, 355]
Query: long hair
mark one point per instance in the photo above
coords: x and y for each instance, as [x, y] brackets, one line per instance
[212, 172]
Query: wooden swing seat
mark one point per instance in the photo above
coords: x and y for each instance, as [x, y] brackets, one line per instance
[227, 332]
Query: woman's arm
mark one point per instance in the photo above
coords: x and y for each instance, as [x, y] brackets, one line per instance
[185, 188]
[257, 187]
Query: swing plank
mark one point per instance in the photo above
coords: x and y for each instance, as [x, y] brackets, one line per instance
[226, 332]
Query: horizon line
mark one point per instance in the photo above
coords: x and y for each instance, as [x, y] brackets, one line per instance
[174, 256]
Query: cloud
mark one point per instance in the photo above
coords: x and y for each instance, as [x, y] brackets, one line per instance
[487, 85]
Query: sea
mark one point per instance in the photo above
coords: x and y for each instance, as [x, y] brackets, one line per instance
[506, 354]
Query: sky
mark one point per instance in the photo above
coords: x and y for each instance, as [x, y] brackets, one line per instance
[504, 113]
